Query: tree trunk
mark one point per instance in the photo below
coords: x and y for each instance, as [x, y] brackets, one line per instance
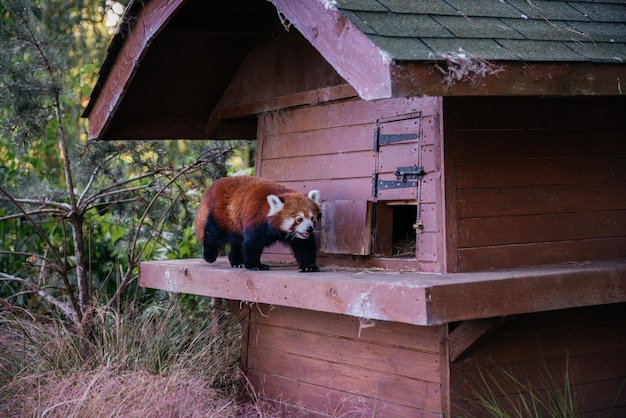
[82, 280]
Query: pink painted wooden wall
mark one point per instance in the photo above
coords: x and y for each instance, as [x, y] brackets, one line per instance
[334, 148]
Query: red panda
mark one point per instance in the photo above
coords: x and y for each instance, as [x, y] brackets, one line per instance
[251, 214]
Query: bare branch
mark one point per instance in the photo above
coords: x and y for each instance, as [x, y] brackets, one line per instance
[31, 213]
[133, 257]
[115, 188]
[45, 202]
[92, 178]
[196, 163]
[95, 197]
[64, 307]
[28, 217]
[55, 252]
[29, 255]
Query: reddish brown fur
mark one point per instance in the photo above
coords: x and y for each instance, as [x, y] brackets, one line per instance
[240, 202]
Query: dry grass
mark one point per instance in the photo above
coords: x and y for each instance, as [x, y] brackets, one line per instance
[156, 363]
[108, 392]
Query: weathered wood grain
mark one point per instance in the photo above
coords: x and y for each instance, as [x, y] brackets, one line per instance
[534, 181]
[505, 230]
[423, 339]
[347, 227]
[342, 45]
[335, 364]
[518, 79]
[406, 297]
[583, 350]
[337, 376]
[469, 333]
[319, 401]
[352, 352]
[333, 148]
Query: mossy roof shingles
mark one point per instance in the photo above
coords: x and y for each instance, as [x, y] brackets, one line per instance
[528, 30]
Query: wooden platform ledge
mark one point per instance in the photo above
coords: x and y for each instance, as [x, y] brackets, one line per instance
[407, 297]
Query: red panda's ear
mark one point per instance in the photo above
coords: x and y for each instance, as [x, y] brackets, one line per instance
[314, 195]
[275, 204]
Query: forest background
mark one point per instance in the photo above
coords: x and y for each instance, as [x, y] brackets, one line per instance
[78, 337]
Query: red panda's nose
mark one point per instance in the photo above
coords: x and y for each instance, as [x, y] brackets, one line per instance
[309, 229]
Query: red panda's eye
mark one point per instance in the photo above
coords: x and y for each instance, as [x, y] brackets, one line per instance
[299, 219]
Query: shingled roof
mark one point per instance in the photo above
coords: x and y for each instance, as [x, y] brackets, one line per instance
[499, 30]
[173, 60]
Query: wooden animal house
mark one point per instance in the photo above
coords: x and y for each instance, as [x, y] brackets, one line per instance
[471, 158]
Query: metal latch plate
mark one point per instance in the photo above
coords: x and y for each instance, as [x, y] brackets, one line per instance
[405, 177]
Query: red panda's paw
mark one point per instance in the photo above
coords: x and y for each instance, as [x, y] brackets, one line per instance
[209, 253]
[309, 269]
[259, 267]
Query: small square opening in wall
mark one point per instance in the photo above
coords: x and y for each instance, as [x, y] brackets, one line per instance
[404, 237]
[395, 234]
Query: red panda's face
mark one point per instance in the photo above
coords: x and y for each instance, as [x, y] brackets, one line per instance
[299, 224]
[296, 215]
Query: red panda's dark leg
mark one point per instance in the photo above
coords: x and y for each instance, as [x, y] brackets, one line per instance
[213, 240]
[235, 255]
[254, 241]
[305, 252]
[252, 256]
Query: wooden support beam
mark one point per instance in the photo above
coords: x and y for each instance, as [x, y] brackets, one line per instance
[222, 114]
[516, 79]
[468, 333]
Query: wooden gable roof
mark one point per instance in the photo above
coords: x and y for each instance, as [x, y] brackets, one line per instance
[172, 60]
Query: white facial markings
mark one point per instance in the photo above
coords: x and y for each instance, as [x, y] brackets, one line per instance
[304, 225]
[287, 224]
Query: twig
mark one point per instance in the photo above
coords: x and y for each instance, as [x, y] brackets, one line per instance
[31, 213]
[28, 217]
[133, 258]
[64, 307]
[463, 66]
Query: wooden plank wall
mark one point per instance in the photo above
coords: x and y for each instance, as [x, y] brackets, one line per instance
[330, 147]
[534, 181]
[284, 65]
[336, 365]
[536, 351]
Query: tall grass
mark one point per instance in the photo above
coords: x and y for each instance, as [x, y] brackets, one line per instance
[157, 362]
[505, 394]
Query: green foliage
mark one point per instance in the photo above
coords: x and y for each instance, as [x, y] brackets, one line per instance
[76, 216]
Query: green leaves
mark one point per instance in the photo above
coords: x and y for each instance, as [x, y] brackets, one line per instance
[87, 212]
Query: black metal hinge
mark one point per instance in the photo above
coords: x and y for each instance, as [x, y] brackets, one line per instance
[393, 138]
[386, 139]
[405, 177]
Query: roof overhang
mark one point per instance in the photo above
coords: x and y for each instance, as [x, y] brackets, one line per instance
[172, 60]
[168, 65]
